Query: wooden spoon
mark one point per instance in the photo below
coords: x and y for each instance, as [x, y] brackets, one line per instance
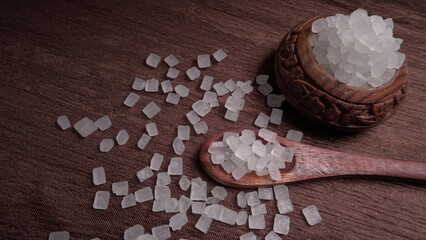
[311, 162]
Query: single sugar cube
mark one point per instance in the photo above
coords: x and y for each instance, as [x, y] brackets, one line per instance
[274, 171]
[219, 192]
[220, 89]
[101, 200]
[206, 84]
[252, 198]
[151, 109]
[262, 120]
[232, 116]
[131, 99]
[285, 206]
[265, 89]
[201, 127]
[63, 235]
[241, 218]
[159, 205]
[201, 107]
[98, 176]
[218, 157]
[312, 215]
[193, 117]
[294, 135]
[198, 189]
[219, 55]
[138, 84]
[166, 86]
[143, 141]
[63, 122]
[120, 188]
[228, 216]
[287, 155]
[281, 224]
[241, 200]
[266, 193]
[262, 79]
[171, 60]
[233, 103]
[281, 192]
[152, 85]
[248, 236]
[128, 201]
[173, 73]
[132, 233]
[178, 146]
[247, 137]
[184, 183]
[122, 137]
[172, 205]
[144, 174]
[184, 203]
[193, 73]
[230, 85]
[276, 116]
[85, 127]
[183, 132]
[156, 161]
[178, 221]
[182, 90]
[258, 209]
[161, 232]
[106, 145]
[272, 236]
[175, 166]
[173, 98]
[151, 129]
[211, 98]
[267, 135]
[258, 148]
[229, 166]
[257, 222]
[144, 195]
[198, 207]
[153, 60]
[163, 179]
[162, 192]
[213, 211]
[203, 61]
[203, 223]
[239, 172]
[247, 87]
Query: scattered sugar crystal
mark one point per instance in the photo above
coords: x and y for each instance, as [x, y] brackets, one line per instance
[232, 116]
[203, 223]
[284, 206]
[288, 154]
[203, 61]
[162, 192]
[183, 132]
[85, 127]
[132, 233]
[266, 193]
[161, 232]
[143, 141]
[193, 73]
[178, 146]
[144, 174]
[131, 99]
[228, 216]
[241, 218]
[218, 157]
[226, 135]
[184, 204]
[198, 207]
[252, 198]
[151, 109]
[63, 122]
[201, 127]
[101, 200]
[152, 85]
[206, 84]
[211, 98]
[294, 135]
[274, 171]
[233, 103]
[98, 176]
[156, 161]
[153, 60]
[120, 188]
[220, 89]
[172, 205]
[166, 86]
[281, 192]
[276, 116]
[258, 209]
[241, 200]
[257, 222]
[275, 100]
[151, 129]
[229, 166]
[193, 117]
[178, 221]
[106, 145]
[230, 85]
[238, 161]
[144, 195]
[239, 172]
[198, 190]
[138, 84]
[175, 166]
[243, 151]
[239, 92]
[262, 120]
[262, 163]
[233, 142]
[171, 60]
[163, 179]
[128, 201]
[159, 205]
[219, 192]
[122, 137]
[182, 90]
[265, 89]
[201, 107]
[247, 87]
[281, 224]
[173, 98]
[63, 235]
[272, 236]
[184, 183]
[262, 79]
[247, 137]
[252, 162]
[146, 237]
[219, 55]
[267, 135]
[259, 148]
[173, 73]
[248, 236]
[212, 200]
[312, 215]
[213, 211]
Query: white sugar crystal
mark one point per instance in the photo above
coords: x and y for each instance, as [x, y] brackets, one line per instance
[156, 161]
[276, 116]
[161, 232]
[239, 172]
[203, 61]
[201, 127]
[193, 117]
[275, 100]
[241, 218]
[172, 73]
[257, 222]
[239, 92]
[265, 89]
[173, 98]
[198, 207]
[206, 84]
[232, 116]
[247, 137]
[233, 103]
[248, 236]
[259, 148]
[220, 89]
[262, 163]
[166, 86]
[219, 55]
[163, 179]
[211, 98]
[294, 135]
[258, 209]
[122, 137]
[183, 132]
[132, 233]
[267, 135]
[252, 162]
[241, 200]
[193, 73]
[243, 151]
[85, 127]
[143, 141]
[152, 85]
[228, 216]
[171, 60]
[106, 145]
[184, 204]
[128, 201]
[151, 109]
[219, 192]
[272, 236]
[98, 175]
[262, 120]
[201, 107]
[182, 90]
[266, 193]
[212, 200]
[63, 122]
[162, 192]
[274, 171]
[284, 206]
[101, 200]
[175, 166]
[178, 221]
[213, 211]
[230, 85]
[184, 183]
[281, 224]
[63, 235]
[312, 215]
[203, 223]
[153, 60]
[131, 99]
[178, 146]
[144, 195]
[151, 129]
[144, 174]
[281, 192]
[262, 79]
[247, 87]
[229, 166]
[172, 205]
[198, 189]
[120, 188]
[159, 205]
[233, 142]
[252, 198]
[138, 84]
[287, 155]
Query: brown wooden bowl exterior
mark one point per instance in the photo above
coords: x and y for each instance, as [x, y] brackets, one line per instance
[321, 98]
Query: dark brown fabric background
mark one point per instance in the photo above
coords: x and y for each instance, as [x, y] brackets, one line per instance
[79, 58]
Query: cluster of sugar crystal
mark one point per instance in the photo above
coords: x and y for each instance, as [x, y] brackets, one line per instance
[358, 49]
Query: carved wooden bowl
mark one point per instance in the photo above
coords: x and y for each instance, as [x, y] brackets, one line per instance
[324, 100]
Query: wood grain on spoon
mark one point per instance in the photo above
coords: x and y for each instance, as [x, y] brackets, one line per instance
[311, 162]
